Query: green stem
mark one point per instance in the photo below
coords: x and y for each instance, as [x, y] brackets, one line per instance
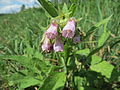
[63, 63]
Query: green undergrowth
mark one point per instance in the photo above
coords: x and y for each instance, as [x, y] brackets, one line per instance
[94, 63]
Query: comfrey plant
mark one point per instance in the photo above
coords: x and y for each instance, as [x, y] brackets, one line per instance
[74, 63]
[76, 66]
[53, 36]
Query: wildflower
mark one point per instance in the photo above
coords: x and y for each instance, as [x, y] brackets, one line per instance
[58, 45]
[76, 39]
[51, 33]
[69, 29]
[47, 45]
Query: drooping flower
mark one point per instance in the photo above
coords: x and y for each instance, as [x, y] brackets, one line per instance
[47, 45]
[58, 45]
[69, 29]
[76, 39]
[51, 32]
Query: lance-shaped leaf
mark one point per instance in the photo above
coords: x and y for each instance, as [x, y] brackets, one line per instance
[72, 9]
[23, 81]
[103, 38]
[49, 7]
[55, 81]
[95, 59]
[104, 68]
[23, 60]
[101, 42]
[83, 51]
[93, 28]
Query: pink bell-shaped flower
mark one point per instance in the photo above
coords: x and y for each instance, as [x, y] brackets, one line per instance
[47, 45]
[69, 29]
[58, 45]
[51, 32]
[76, 39]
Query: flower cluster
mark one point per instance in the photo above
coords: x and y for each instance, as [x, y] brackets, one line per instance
[52, 34]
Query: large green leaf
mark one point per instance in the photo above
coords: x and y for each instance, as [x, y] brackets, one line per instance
[95, 59]
[65, 8]
[43, 66]
[23, 60]
[54, 81]
[23, 81]
[28, 81]
[18, 58]
[38, 55]
[103, 38]
[104, 21]
[49, 7]
[31, 52]
[92, 29]
[104, 68]
[83, 51]
[101, 42]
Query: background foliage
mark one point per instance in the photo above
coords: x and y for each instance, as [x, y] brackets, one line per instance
[96, 59]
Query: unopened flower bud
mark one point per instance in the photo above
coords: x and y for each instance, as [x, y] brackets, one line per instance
[76, 39]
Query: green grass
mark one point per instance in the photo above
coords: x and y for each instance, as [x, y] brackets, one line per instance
[93, 11]
[15, 25]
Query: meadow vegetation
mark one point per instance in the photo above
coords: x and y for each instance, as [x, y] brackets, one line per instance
[91, 64]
